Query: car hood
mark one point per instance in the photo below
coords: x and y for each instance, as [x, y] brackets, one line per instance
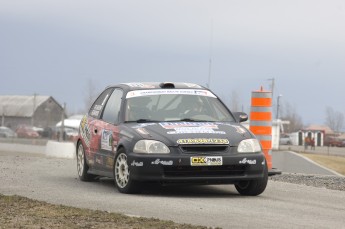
[175, 133]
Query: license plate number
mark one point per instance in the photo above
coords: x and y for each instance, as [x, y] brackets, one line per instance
[206, 161]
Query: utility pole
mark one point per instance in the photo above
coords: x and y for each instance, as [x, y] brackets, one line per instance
[33, 109]
[3, 116]
[62, 128]
[277, 115]
[272, 85]
[210, 58]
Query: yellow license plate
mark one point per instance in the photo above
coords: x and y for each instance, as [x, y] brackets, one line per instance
[206, 161]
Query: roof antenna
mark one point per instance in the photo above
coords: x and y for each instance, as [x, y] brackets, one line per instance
[210, 57]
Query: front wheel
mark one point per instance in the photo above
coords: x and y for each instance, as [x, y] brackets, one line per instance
[122, 175]
[253, 187]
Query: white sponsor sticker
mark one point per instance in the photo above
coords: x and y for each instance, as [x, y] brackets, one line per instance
[248, 161]
[159, 161]
[107, 140]
[138, 93]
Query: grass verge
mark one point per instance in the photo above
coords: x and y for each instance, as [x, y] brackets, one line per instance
[21, 212]
[335, 163]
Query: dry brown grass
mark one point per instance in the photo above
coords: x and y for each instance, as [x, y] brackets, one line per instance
[335, 163]
[21, 212]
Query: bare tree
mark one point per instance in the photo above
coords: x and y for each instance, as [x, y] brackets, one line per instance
[288, 113]
[334, 119]
[232, 101]
[90, 94]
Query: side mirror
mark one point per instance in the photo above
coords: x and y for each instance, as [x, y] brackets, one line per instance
[240, 116]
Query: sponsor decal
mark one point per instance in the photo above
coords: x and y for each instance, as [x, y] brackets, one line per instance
[191, 127]
[203, 141]
[239, 129]
[94, 113]
[141, 85]
[138, 93]
[247, 161]
[107, 140]
[138, 164]
[192, 85]
[142, 131]
[97, 107]
[99, 159]
[142, 125]
[206, 161]
[158, 161]
[192, 130]
[85, 131]
[109, 162]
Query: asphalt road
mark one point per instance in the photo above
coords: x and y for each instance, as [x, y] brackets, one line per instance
[282, 205]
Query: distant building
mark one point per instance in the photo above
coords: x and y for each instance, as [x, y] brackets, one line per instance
[316, 132]
[323, 128]
[35, 110]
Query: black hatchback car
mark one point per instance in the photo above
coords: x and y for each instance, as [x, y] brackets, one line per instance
[171, 133]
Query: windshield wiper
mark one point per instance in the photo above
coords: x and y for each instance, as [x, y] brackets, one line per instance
[142, 120]
[194, 120]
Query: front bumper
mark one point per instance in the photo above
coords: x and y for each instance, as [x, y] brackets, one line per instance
[178, 169]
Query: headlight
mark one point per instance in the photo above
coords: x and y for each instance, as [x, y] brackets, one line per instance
[249, 146]
[150, 146]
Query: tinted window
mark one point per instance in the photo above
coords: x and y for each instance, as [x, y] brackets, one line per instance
[98, 105]
[112, 108]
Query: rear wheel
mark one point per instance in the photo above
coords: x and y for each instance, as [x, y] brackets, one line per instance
[122, 174]
[82, 166]
[253, 187]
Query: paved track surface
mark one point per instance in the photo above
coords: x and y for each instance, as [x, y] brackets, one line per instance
[282, 205]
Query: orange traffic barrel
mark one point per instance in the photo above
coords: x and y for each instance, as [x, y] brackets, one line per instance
[261, 121]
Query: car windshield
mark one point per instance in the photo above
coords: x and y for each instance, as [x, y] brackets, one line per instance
[175, 105]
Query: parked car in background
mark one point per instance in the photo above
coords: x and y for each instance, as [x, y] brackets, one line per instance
[27, 132]
[285, 139]
[334, 141]
[6, 132]
[70, 134]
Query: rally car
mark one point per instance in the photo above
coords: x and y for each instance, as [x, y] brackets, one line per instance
[171, 133]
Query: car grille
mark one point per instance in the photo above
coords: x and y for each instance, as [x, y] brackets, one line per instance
[203, 148]
[204, 171]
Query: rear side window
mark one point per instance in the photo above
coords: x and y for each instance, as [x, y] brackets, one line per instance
[97, 107]
[112, 108]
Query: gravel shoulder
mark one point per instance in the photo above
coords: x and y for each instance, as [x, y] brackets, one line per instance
[319, 181]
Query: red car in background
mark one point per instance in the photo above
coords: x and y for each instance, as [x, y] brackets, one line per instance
[334, 141]
[27, 132]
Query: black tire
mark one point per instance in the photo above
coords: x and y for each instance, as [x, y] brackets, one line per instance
[122, 174]
[253, 187]
[82, 166]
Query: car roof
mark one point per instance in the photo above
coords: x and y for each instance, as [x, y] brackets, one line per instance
[157, 85]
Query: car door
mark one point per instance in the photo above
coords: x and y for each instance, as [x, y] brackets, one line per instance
[92, 146]
[106, 132]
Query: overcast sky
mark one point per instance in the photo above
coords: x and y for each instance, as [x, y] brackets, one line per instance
[57, 47]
